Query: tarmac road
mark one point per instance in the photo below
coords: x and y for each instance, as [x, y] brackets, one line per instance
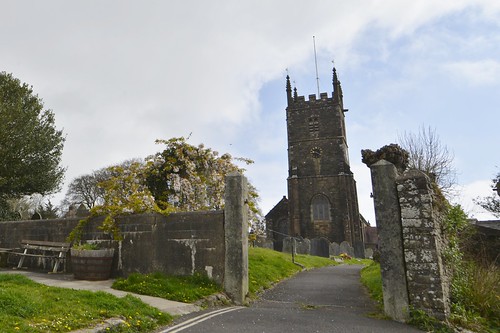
[329, 299]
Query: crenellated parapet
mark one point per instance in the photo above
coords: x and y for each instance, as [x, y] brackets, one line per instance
[299, 102]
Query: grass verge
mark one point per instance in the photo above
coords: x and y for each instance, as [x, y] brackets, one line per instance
[27, 306]
[371, 278]
[267, 267]
[186, 289]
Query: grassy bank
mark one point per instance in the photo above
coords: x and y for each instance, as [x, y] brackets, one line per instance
[267, 267]
[26, 306]
[185, 289]
[371, 278]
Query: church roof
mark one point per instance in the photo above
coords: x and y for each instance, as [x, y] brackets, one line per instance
[281, 206]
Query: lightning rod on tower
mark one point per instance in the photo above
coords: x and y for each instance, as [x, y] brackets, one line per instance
[316, 64]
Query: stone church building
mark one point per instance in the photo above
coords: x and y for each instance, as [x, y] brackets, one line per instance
[322, 199]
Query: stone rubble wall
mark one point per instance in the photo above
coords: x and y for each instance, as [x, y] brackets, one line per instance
[178, 244]
[423, 242]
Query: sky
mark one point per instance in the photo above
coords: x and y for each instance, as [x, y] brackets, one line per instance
[120, 74]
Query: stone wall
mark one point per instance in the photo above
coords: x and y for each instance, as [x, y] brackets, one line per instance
[409, 215]
[421, 219]
[180, 244]
[212, 242]
[12, 232]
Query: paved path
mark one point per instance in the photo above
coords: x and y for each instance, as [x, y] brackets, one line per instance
[67, 281]
[329, 299]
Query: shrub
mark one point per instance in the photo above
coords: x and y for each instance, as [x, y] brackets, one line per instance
[475, 284]
[475, 296]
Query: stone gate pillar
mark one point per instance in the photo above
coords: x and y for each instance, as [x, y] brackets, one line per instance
[388, 217]
[236, 237]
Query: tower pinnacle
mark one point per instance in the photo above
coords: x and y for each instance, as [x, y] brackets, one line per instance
[288, 90]
[337, 89]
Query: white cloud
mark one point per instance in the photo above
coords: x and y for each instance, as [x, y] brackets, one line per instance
[120, 74]
[468, 192]
[363, 183]
[481, 72]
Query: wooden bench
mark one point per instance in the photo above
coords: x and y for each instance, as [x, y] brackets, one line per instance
[43, 249]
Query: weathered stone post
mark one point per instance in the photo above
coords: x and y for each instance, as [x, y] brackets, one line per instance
[236, 237]
[387, 215]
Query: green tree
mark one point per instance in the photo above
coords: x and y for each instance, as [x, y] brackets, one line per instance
[30, 144]
[87, 189]
[6, 211]
[49, 211]
[182, 177]
[189, 177]
[124, 192]
[492, 202]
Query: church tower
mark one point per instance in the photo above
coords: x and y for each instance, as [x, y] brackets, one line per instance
[322, 198]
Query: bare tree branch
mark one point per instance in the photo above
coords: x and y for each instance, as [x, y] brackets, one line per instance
[429, 155]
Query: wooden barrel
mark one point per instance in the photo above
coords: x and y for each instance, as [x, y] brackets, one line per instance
[92, 264]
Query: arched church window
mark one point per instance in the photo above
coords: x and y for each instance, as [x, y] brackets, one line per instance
[320, 208]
